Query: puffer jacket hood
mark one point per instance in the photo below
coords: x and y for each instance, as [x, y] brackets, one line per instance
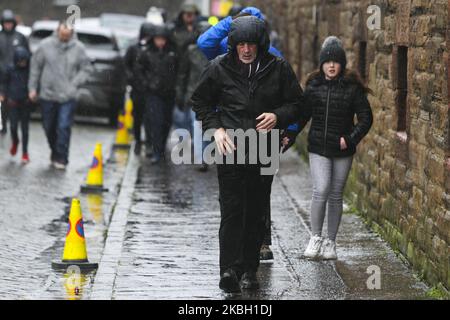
[249, 29]
[8, 16]
[146, 31]
[254, 12]
[21, 53]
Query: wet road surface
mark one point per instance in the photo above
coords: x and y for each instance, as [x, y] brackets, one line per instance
[34, 208]
[169, 249]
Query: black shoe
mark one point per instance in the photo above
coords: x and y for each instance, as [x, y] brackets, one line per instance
[249, 280]
[229, 282]
[137, 149]
[265, 253]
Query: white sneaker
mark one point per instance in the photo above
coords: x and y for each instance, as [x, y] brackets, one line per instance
[329, 250]
[59, 166]
[314, 246]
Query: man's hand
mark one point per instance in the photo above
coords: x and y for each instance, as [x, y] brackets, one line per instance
[33, 95]
[343, 144]
[2, 98]
[223, 141]
[267, 121]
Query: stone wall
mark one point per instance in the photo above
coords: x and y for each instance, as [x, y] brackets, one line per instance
[400, 179]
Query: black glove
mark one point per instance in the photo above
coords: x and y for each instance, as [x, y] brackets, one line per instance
[292, 136]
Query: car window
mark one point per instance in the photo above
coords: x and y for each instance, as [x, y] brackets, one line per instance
[96, 41]
[41, 34]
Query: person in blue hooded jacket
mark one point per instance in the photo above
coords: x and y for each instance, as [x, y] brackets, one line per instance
[214, 43]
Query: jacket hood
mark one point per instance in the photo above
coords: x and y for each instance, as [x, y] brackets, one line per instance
[249, 29]
[146, 31]
[254, 12]
[21, 53]
[186, 7]
[8, 16]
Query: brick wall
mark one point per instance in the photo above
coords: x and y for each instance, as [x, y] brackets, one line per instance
[401, 187]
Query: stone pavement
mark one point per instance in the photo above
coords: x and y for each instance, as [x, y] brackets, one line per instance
[163, 243]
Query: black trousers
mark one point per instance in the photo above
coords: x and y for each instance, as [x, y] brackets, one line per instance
[158, 121]
[244, 198]
[20, 114]
[138, 99]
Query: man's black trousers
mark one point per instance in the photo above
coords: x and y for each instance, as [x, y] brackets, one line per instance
[244, 196]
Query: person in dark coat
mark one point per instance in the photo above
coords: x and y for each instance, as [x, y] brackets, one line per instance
[253, 90]
[184, 31]
[9, 40]
[334, 95]
[191, 67]
[157, 72]
[14, 90]
[138, 90]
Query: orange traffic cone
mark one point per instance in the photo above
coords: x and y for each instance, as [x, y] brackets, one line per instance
[94, 181]
[122, 137]
[75, 253]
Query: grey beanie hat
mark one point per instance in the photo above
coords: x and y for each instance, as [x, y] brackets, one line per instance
[332, 50]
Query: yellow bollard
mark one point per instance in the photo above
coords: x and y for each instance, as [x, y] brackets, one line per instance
[122, 137]
[75, 253]
[129, 121]
[94, 181]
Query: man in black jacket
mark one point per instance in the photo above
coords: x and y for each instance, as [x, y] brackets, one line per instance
[9, 40]
[257, 91]
[138, 90]
[157, 70]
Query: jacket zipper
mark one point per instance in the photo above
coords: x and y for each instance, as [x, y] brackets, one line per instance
[326, 121]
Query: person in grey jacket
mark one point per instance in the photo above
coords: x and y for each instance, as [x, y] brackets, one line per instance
[58, 68]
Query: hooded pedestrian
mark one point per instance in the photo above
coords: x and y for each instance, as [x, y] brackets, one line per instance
[59, 67]
[9, 40]
[132, 57]
[184, 32]
[213, 43]
[14, 90]
[157, 72]
[252, 90]
[191, 67]
[334, 95]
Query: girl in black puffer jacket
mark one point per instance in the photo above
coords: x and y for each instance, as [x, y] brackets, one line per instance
[334, 95]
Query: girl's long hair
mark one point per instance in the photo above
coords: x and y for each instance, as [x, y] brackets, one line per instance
[348, 74]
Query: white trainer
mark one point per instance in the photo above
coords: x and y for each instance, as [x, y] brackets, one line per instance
[329, 250]
[314, 246]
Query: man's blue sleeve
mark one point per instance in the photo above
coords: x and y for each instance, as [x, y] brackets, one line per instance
[210, 41]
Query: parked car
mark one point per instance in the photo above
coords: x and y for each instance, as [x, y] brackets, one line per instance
[104, 92]
[25, 30]
[124, 26]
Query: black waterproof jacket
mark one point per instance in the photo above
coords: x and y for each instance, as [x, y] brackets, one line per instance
[190, 69]
[157, 70]
[8, 42]
[332, 106]
[240, 100]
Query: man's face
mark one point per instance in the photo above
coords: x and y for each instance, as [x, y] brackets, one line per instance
[247, 52]
[65, 33]
[8, 26]
[331, 69]
[160, 42]
[189, 17]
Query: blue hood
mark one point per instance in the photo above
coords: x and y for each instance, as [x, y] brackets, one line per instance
[21, 53]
